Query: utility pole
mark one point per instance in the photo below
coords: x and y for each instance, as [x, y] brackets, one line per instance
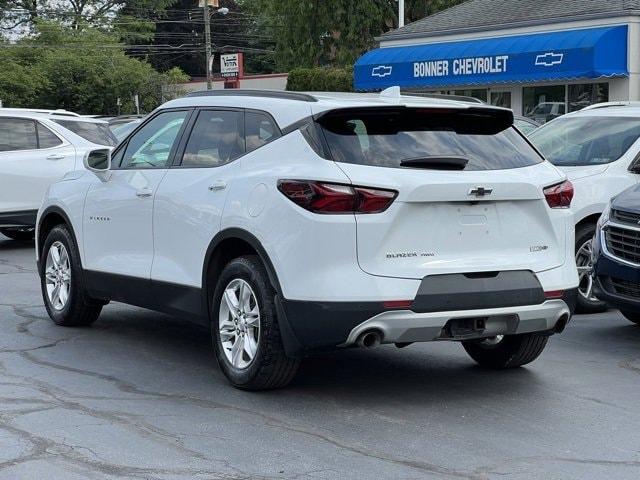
[207, 41]
[207, 32]
[400, 13]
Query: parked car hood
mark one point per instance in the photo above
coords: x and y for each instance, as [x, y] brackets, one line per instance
[575, 173]
[629, 200]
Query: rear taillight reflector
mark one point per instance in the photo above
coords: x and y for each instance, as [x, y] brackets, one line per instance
[553, 294]
[397, 304]
[560, 195]
[335, 198]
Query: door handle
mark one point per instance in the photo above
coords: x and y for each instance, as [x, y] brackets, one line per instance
[55, 156]
[218, 185]
[144, 192]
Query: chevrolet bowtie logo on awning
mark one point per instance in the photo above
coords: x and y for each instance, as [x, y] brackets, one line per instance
[480, 191]
[381, 71]
[549, 59]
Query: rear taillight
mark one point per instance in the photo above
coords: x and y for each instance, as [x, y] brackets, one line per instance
[560, 195]
[335, 198]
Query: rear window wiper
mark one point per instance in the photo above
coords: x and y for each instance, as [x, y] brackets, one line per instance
[436, 163]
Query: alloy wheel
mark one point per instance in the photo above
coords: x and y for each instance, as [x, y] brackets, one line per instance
[585, 272]
[58, 276]
[239, 323]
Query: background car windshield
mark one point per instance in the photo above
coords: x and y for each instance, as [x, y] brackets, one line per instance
[384, 139]
[592, 140]
[98, 133]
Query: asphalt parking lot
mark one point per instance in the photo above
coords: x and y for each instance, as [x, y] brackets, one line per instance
[139, 396]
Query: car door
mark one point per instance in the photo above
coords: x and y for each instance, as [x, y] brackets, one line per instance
[118, 212]
[32, 157]
[191, 198]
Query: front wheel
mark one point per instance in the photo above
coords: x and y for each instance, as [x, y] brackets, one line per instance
[65, 297]
[506, 351]
[245, 330]
[587, 302]
[21, 234]
[631, 316]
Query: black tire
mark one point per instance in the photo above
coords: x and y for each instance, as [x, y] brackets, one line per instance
[80, 309]
[631, 316]
[19, 234]
[513, 351]
[270, 367]
[584, 234]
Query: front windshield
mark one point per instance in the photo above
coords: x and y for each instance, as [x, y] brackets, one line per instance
[578, 141]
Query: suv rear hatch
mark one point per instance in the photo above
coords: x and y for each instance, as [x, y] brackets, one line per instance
[470, 191]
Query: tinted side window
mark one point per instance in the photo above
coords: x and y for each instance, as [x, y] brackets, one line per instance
[150, 147]
[216, 139]
[98, 133]
[17, 134]
[259, 129]
[46, 138]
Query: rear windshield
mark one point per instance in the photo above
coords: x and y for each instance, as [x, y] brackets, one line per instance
[576, 141]
[387, 138]
[94, 132]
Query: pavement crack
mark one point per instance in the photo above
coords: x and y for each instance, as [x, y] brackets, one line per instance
[268, 420]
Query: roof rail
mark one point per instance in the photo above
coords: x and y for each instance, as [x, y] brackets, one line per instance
[622, 103]
[301, 97]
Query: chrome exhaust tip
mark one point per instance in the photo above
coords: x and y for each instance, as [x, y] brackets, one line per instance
[369, 339]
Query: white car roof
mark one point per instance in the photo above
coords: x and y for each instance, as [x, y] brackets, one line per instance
[59, 111]
[290, 107]
[609, 111]
[46, 114]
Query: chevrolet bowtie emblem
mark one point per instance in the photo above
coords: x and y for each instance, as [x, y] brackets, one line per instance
[480, 191]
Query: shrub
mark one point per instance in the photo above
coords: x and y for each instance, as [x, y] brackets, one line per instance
[321, 80]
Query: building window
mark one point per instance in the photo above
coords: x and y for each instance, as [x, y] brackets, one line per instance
[543, 103]
[479, 93]
[585, 94]
[501, 99]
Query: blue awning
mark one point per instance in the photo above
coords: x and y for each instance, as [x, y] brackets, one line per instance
[565, 55]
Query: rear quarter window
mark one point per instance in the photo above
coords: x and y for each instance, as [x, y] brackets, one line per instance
[386, 138]
[98, 133]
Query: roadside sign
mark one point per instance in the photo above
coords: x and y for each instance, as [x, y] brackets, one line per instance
[230, 64]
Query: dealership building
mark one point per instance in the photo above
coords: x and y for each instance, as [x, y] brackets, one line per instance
[541, 58]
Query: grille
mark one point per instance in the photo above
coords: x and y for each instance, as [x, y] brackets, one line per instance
[625, 217]
[626, 288]
[623, 243]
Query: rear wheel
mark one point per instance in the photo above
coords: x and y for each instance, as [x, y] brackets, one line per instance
[245, 330]
[65, 297]
[21, 234]
[631, 316]
[506, 351]
[587, 302]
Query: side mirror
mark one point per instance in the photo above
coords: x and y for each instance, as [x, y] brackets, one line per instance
[98, 160]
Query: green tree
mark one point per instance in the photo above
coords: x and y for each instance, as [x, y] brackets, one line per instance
[83, 70]
[313, 33]
[25, 13]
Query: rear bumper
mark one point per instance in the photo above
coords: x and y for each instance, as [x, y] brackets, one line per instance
[403, 326]
[312, 326]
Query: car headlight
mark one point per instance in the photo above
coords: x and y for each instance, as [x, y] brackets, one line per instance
[604, 218]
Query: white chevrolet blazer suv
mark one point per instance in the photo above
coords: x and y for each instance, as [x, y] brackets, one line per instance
[289, 223]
